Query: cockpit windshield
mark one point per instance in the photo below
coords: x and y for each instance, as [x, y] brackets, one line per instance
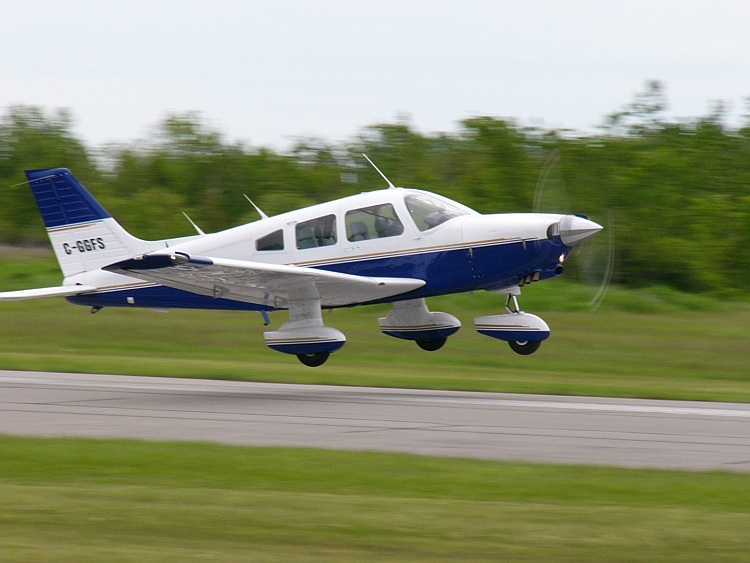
[428, 211]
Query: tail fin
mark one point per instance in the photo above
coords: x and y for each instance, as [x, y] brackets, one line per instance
[83, 235]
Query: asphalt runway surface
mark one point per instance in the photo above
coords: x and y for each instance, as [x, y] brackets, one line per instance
[535, 428]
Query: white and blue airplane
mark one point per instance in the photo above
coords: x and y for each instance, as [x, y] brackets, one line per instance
[394, 245]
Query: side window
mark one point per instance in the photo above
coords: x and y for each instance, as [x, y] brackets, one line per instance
[272, 241]
[317, 232]
[377, 221]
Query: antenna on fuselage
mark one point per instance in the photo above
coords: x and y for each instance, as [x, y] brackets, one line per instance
[258, 209]
[390, 185]
[196, 227]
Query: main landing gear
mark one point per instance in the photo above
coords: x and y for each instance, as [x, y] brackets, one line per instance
[432, 345]
[412, 320]
[304, 335]
[523, 332]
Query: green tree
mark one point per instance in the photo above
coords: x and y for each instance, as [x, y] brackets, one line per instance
[679, 192]
[31, 138]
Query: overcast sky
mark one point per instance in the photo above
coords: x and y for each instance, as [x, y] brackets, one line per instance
[267, 72]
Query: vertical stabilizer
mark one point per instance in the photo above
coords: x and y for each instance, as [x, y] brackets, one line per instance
[83, 235]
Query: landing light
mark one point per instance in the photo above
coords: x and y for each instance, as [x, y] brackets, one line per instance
[562, 258]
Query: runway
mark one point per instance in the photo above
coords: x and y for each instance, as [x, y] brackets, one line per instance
[536, 428]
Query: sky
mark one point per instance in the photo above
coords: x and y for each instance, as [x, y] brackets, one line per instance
[269, 72]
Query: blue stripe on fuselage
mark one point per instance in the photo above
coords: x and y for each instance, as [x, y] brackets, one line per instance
[461, 269]
[454, 270]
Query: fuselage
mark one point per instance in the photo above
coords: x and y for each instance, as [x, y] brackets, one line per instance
[394, 233]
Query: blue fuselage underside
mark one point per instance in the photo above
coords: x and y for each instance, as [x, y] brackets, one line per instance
[445, 271]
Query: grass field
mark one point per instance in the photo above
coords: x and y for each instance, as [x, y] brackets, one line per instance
[87, 500]
[654, 343]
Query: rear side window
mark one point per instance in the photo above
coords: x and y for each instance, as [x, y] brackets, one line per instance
[272, 241]
[317, 232]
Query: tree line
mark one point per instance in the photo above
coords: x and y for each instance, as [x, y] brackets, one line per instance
[675, 193]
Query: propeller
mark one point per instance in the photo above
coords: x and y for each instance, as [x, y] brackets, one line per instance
[594, 257]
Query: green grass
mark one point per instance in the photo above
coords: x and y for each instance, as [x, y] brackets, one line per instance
[89, 500]
[654, 343]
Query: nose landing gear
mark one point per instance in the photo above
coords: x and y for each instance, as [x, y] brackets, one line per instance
[524, 332]
[524, 347]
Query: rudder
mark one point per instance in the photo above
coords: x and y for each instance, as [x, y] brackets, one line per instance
[83, 234]
[62, 199]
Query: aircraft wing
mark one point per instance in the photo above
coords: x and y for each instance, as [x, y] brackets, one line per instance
[261, 283]
[59, 291]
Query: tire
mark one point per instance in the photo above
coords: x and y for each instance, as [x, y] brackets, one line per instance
[524, 347]
[431, 345]
[313, 360]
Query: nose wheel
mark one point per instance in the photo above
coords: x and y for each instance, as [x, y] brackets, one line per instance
[524, 347]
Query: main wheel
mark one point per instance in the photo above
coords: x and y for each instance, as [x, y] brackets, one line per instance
[313, 360]
[431, 345]
[524, 347]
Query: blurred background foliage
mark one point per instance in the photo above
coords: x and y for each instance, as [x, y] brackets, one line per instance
[677, 192]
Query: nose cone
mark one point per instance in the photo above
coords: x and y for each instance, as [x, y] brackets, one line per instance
[574, 229]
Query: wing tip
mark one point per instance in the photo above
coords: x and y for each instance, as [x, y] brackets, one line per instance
[56, 291]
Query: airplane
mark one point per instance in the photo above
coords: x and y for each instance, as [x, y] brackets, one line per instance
[393, 245]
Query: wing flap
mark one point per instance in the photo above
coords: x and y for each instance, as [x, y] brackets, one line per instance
[59, 291]
[261, 283]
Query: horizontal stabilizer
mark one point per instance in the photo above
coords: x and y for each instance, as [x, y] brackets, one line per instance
[58, 291]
